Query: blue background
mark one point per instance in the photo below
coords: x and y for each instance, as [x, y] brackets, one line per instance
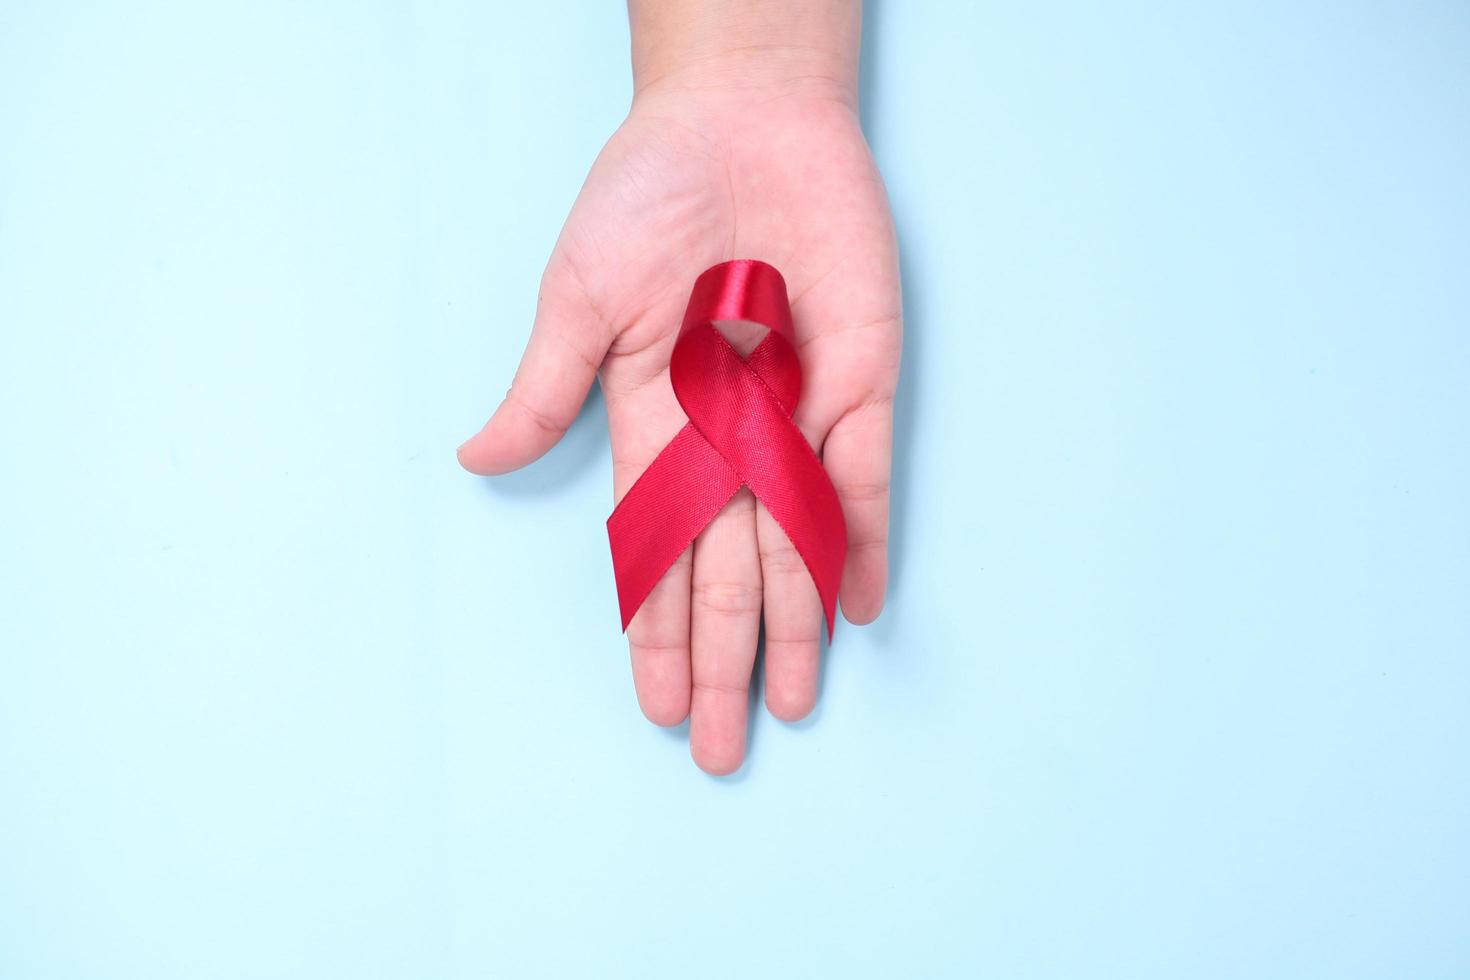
[1175, 677]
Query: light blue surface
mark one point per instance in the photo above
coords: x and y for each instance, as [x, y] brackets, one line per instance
[1175, 677]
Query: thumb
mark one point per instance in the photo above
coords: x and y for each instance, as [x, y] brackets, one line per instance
[568, 342]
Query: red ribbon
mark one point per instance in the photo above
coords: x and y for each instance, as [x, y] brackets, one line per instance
[739, 433]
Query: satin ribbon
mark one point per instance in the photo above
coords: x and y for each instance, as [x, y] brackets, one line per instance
[739, 433]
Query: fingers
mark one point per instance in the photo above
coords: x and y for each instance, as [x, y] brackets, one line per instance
[658, 643]
[793, 614]
[642, 417]
[567, 345]
[856, 455]
[724, 628]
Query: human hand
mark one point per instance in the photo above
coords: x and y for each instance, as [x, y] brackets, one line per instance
[746, 156]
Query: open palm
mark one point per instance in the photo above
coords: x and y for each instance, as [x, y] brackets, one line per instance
[693, 178]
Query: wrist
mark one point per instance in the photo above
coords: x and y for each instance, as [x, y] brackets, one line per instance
[768, 46]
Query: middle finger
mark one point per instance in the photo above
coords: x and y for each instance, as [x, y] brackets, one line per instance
[724, 628]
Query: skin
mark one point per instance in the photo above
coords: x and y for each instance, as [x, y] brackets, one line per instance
[732, 149]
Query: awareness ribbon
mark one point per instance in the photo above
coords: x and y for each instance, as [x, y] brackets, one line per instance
[739, 433]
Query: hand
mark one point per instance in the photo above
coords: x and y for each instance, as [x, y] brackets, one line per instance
[700, 172]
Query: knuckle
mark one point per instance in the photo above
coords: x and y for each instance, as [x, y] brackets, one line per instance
[720, 688]
[781, 558]
[539, 417]
[727, 598]
[643, 648]
[859, 492]
[795, 643]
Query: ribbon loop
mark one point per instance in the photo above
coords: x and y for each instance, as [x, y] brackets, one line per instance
[739, 433]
